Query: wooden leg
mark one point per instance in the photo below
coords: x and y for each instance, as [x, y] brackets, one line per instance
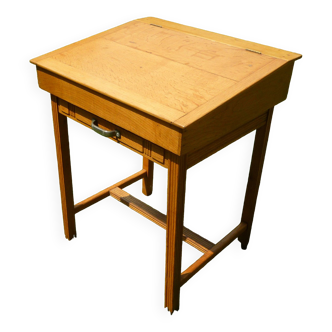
[66, 187]
[256, 167]
[174, 229]
[148, 179]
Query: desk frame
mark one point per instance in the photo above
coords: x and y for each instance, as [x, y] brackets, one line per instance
[173, 222]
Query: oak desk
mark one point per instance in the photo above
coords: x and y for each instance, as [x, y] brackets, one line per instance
[175, 95]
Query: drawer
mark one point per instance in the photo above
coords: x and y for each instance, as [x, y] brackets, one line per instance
[149, 150]
[127, 138]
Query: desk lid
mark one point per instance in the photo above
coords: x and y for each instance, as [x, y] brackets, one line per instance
[170, 71]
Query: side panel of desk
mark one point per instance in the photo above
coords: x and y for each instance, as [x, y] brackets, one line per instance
[208, 150]
[243, 108]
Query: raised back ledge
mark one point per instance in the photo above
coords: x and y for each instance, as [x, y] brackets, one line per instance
[272, 51]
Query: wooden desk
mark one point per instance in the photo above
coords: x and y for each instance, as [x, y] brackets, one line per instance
[175, 95]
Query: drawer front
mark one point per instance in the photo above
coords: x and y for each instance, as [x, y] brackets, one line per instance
[127, 138]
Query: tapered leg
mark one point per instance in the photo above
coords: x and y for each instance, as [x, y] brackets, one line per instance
[174, 230]
[147, 183]
[66, 187]
[256, 167]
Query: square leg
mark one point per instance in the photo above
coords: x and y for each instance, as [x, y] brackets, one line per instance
[147, 181]
[65, 179]
[174, 229]
[255, 173]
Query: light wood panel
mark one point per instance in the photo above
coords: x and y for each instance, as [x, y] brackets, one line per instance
[216, 58]
[141, 79]
[110, 89]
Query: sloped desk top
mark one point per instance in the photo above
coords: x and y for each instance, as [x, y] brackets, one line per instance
[168, 82]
